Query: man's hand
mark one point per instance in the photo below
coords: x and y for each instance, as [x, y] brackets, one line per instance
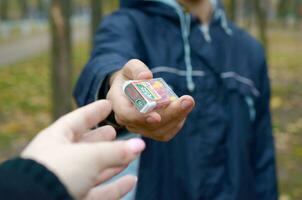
[160, 125]
[81, 158]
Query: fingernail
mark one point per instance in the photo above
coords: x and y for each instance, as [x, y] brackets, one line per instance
[136, 179]
[151, 120]
[185, 104]
[136, 145]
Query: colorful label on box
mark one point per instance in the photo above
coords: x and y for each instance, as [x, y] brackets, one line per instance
[149, 94]
[146, 90]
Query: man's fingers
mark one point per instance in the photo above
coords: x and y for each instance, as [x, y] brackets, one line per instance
[137, 70]
[113, 191]
[170, 131]
[153, 118]
[178, 109]
[79, 121]
[104, 133]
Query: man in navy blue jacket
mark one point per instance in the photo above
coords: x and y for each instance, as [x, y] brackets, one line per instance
[224, 149]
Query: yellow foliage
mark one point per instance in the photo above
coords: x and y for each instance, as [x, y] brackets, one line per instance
[276, 102]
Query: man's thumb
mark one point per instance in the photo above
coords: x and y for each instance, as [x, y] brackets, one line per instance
[137, 70]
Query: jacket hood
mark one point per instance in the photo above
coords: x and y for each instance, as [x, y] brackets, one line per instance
[154, 7]
[172, 9]
[137, 3]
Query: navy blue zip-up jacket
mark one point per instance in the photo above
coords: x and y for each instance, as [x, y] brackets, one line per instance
[225, 151]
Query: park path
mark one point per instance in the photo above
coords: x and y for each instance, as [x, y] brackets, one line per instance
[30, 46]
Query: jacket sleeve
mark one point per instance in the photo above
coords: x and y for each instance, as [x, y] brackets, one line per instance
[116, 42]
[264, 150]
[26, 179]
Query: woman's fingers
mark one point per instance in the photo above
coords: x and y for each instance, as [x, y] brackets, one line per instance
[104, 155]
[113, 191]
[109, 173]
[85, 118]
[104, 133]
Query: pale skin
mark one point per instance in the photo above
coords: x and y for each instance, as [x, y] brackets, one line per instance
[83, 158]
[163, 124]
[201, 8]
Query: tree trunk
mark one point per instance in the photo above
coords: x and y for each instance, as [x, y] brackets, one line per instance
[42, 8]
[4, 9]
[248, 10]
[297, 5]
[231, 8]
[96, 16]
[282, 9]
[23, 8]
[261, 22]
[61, 57]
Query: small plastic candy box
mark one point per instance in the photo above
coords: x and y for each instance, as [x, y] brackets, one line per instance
[148, 95]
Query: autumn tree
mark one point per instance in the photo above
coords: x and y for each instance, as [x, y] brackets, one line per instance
[42, 7]
[232, 9]
[61, 68]
[96, 15]
[23, 4]
[261, 19]
[298, 12]
[4, 9]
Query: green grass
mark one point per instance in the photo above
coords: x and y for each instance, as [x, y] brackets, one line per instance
[286, 69]
[25, 98]
[25, 105]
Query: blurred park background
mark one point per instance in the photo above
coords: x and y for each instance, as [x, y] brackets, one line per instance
[44, 44]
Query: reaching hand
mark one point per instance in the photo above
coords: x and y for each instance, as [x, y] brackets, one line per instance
[160, 125]
[81, 158]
